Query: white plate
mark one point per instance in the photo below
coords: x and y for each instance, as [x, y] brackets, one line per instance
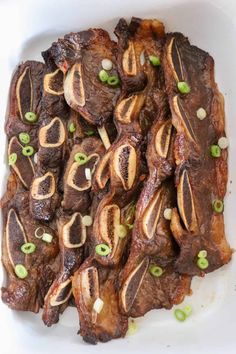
[26, 28]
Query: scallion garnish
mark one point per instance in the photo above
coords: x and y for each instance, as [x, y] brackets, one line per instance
[12, 159]
[28, 150]
[155, 60]
[28, 248]
[31, 117]
[21, 271]
[218, 206]
[215, 151]
[24, 138]
[81, 158]
[102, 249]
[183, 87]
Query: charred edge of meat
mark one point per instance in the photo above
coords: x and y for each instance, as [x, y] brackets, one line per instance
[43, 187]
[74, 232]
[125, 165]
[132, 284]
[53, 134]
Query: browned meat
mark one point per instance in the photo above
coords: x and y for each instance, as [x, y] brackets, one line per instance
[76, 185]
[92, 282]
[25, 96]
[72, 236]
[53, 100]
[19, 228]
[79, 56]
[122, 161]
[200, 178]
[52, 146]
[152, 242]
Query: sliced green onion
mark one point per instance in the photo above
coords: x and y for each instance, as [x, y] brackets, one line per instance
[28, 150]
[28, 248]
[202, 263]
[47, 237]
[130, 213]
[98, 305]
[180, 315]
[121, 231]
[156, 271]
[187, 310]
[81, 158]
[132, 328]
[90, 132]
[113, 80]
[154, 60]
[38, 233]
[12, 159]
[202, 254]
[167, 213]
[103, 76]
[223, 142]
[107, 64]
[24, 138]
[183, 87]
[87, 220]
[218, 206]
[130, 226]
[215, 151]
[31, 117]
[102, 249]
[21, 271]
[201, 113]
[72, 127]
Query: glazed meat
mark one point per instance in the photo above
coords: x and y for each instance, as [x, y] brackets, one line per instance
[25, 96]
[72, 236]
[200, 178]
[79, 56]
[52, 147]
[118, 171]
[124, 155]
[77, 186]
[92, 283]
[25, 294]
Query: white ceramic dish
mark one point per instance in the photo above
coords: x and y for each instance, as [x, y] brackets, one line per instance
[26, 28]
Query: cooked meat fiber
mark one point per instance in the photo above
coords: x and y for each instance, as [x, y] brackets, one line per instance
[42, 265]
[200, 177]
[91, 283]
[79, 56]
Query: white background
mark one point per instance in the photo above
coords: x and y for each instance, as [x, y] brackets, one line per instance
[26, 28]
